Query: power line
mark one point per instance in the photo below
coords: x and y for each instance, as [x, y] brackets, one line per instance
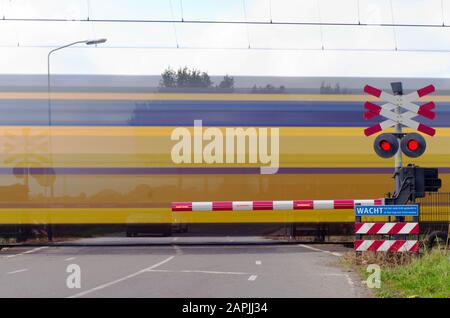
[176, 22]
[240, 49]
[229, 22]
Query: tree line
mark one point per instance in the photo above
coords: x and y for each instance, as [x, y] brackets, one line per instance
[192, 78]
[186, 78]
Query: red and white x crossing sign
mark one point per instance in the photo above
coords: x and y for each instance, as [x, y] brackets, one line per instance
[409, 110]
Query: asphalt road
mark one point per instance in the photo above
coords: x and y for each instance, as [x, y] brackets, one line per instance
[177, 267]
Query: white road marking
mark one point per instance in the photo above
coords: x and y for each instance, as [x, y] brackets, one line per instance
[319, 250]
[69, 259]
[236, 246]
[347, 276]
[103, 286]
[253, 277]
[349, 280]
[352, 284]
[258, 263]
[27, 252]
[198, 271]
[18, 271]
[35, 250]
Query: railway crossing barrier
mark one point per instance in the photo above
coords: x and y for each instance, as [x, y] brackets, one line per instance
[272, 205]
[411, 182]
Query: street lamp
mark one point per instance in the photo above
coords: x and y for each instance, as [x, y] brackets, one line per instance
[87, 42]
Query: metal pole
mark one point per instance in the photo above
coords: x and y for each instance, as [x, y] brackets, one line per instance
[48, 77]
[49, 106]
[398, 92]
[48, 90]
[398, 155]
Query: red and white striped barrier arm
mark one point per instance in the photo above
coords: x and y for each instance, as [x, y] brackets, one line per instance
[387, 228]
[271, 205]
[387, 245]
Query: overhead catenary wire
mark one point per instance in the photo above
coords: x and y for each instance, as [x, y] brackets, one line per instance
[249, 46]
[320, 24]
[270, 9]
[180, 21]
[240, 49]
[174, 21]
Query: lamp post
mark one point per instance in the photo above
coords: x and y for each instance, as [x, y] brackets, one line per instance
[87, 42]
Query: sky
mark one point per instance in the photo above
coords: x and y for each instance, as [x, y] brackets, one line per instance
[137, 48]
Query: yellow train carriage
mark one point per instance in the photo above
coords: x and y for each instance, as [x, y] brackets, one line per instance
[106, 158]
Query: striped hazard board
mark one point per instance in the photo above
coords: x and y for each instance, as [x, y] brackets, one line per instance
[387, 245]
[387, 228]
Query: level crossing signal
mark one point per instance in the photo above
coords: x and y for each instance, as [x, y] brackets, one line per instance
[413, 145]
[386, 145]
[407, 110]
[399, 110]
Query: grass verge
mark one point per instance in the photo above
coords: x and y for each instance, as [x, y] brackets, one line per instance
[407, 276]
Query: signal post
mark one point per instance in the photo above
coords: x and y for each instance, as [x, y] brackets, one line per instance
[411, 182]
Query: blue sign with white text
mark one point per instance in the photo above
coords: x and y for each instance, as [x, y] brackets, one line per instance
[387, 210]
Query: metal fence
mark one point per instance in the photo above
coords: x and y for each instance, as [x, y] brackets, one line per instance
[434, 212]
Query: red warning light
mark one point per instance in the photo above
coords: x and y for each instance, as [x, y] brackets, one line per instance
[385, 145]
[413, 145]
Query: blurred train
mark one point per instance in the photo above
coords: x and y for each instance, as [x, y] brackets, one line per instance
[93, 156]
